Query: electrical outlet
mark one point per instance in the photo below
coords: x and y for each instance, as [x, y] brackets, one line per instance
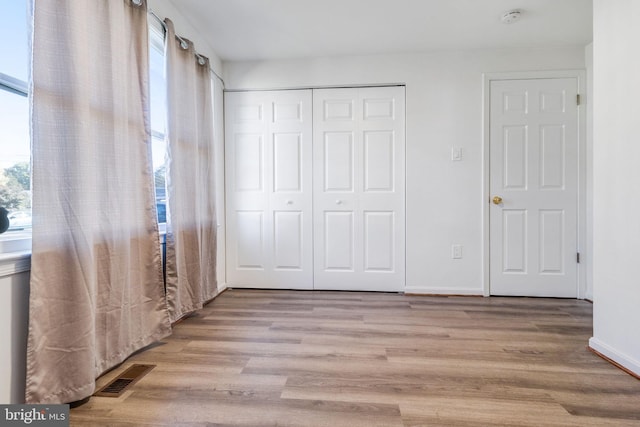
[456, 251]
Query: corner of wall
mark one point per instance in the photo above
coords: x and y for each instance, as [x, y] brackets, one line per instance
[166, 9]
[588, 246]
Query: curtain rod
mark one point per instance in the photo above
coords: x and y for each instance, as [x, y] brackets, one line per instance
[161, 21]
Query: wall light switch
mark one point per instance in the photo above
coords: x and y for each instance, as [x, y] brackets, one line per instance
[456, 251]
[456, 154]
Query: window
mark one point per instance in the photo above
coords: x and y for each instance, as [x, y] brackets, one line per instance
[15, 161]
[158, 110]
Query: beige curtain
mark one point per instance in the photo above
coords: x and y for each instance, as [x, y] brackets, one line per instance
[191, 219]
[96, 276]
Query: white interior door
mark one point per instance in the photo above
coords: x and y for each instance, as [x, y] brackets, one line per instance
[268, 153]
[533, 187]
[359, 184]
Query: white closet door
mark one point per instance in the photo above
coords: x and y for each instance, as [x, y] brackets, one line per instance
[268, 154]
[359, 185]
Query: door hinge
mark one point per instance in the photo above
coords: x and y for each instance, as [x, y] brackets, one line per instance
[578, 257]
[578, 99]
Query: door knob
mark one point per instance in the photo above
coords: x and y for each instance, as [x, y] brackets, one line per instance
[338, 202]
[497, 200]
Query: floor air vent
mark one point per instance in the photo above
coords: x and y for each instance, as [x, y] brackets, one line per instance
[123, 381]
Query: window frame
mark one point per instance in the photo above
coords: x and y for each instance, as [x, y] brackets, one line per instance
[157, 37]
[8, 243]
[16, 248]
[14, 85]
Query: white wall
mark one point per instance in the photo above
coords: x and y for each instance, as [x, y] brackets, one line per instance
[218, 137]
[587, 249]
[444, 109]
[14, 307]
[166, 9]
[616, 174]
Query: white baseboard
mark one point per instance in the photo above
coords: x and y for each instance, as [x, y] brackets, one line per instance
[626, 361]
[442, 291]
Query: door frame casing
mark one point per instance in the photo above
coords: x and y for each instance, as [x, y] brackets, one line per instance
[487, 78]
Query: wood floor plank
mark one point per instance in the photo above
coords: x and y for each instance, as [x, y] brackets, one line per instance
[327, 358]
[495, 412]
[252, 410]
[252, 350]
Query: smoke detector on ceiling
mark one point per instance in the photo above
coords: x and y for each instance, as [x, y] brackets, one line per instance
[511, 16]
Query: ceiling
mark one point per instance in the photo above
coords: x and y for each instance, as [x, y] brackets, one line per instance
[240, 30]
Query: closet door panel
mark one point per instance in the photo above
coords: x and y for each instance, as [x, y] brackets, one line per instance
[324, 214]
[359, 189]
[288, 240]
[379, 241]
[379, 168]
[338, 241]
[249, 162]
[338, 156]
[268, 198]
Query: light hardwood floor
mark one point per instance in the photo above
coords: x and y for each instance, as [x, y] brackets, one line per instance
[302, 358]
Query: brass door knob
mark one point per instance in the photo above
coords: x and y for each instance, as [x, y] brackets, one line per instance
[497, 200]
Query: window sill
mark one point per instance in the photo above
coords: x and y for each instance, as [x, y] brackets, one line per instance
[162, 228]
[10, 244]
[15, 254]
[15, 262]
